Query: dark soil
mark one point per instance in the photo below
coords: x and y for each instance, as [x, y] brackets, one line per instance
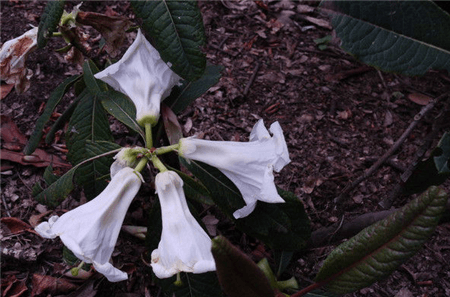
[338, 117]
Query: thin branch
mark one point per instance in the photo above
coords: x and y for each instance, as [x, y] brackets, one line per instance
[252, 79]
[394, 147]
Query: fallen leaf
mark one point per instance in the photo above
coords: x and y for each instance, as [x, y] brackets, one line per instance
[15, 225]
[6, 89]
[419, 98]
[12, 287]
[13, 143]
[10, 133]
[50, 285]
[36, 219]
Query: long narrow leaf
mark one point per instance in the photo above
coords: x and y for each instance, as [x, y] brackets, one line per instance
[379, 249]
[52, 102]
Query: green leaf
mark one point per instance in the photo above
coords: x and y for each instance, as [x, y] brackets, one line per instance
[176, 29]
[408, 37]
[122, 108]
[94, 85]
[282, 258]
[57, 191]
[54, 99]
[238, 275]
[49, 21]
[49, 177]
[59, 123]
[193, 189]
[379, 249]
[282, 226]
[193, 285]
[88, 123]
[181, 97]
[441, 159]
[431, 172]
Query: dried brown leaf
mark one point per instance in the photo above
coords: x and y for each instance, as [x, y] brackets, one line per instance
[50, 285]
[419, 98]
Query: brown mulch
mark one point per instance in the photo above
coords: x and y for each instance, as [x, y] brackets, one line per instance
[338, 118]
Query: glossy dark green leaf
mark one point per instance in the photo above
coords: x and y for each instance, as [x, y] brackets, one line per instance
[431, 172]
[282, 226]
[55, 193]
[181, 97]
[122, 108]
[408, 37]
[49, 21]
[237, 273]
[52, 102]
[88, 123]
[94, 85]
[194, 190]
[176, 30]
[380, 249]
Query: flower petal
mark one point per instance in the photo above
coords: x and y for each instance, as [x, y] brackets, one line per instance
[90, 231]
[143, 76]
[249, 165]
[184, 245]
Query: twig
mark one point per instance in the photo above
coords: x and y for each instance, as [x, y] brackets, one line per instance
[6, 206]
[394, 147]
[387, 202]
[252, 78]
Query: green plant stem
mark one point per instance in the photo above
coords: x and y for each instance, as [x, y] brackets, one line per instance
[158, 164]
[148, 135]
[167, 149]
[141, 165]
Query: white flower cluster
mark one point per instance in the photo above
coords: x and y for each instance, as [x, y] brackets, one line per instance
[91, 230]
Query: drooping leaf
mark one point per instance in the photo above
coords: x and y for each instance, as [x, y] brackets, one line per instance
[122, 108]
[237, 273]
[282, 226]
[49, 21]
[176, 31]
[378, 250]
[433, 171]
[52, 102]
[112, 28]
[88, 123]
[408, 37]
[181, 97]
[171, 124]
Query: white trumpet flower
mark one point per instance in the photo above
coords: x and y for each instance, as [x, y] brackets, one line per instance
[143, 76]
[184, 245]
[90, 231]
[249, 165]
